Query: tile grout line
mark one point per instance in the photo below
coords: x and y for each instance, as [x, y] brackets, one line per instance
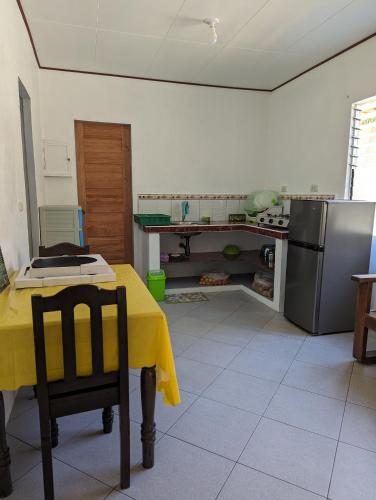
[339, 435]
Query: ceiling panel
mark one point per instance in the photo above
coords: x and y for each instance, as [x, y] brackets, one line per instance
[282, 22]
[122, 53]
[232, 14]
[144, 17]
[178, 60]
[78, 12]
[63, 45]
[339, 32]
[261, 43]
[253, 68]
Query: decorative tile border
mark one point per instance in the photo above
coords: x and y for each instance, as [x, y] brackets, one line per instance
[192, 196]
[230, 196]
[317, 197]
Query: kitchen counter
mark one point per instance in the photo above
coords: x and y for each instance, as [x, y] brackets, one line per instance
[281, 234]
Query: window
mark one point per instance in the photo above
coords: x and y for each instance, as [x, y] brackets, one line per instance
[362, 151]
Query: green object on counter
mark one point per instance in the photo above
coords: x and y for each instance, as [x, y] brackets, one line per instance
[157, 284]
[152, 219]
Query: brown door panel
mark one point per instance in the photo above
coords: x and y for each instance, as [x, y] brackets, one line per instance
[104, 200]
[105, 188]
[105, 224]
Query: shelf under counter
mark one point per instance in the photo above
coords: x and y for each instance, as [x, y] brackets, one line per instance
[249, 256]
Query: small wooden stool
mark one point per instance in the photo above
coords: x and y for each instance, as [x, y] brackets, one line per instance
[364, 318]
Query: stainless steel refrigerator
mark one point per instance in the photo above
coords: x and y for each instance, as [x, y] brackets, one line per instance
[328, 242]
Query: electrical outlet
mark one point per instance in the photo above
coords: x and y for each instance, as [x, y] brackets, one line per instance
[283, 189]
[314, 188]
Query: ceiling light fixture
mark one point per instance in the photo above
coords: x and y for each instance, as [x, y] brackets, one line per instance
[212, 22]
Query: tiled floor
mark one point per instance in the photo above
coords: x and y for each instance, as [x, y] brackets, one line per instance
[267, 413]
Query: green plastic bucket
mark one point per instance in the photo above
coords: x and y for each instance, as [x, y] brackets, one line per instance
[157, 284]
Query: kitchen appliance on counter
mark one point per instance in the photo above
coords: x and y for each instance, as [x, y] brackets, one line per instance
[329, 241]
[64, 270]
[273, 217]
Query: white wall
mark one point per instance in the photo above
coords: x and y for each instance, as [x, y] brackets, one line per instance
[309, 122]
[184, 138]
[16, 61]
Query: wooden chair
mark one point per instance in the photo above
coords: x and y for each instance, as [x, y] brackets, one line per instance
[364, 318]
[63, 249]
[76, 394]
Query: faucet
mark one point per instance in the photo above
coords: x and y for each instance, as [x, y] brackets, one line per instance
[184, 210]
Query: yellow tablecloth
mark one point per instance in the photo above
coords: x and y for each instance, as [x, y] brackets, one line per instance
[149, 340]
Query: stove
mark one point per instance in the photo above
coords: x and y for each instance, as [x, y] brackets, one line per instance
[273, 217]
[65, 270]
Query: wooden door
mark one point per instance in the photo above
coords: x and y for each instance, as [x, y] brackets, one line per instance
[103, 152]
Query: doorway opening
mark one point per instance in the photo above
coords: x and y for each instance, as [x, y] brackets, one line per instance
[361, 178]
[29, 170]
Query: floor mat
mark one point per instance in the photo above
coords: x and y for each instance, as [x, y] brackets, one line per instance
[181, 298]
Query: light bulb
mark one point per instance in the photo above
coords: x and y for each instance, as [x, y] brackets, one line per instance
[212, 22]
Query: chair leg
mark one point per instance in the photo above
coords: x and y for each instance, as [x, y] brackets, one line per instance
[363, 302]
[107, 419]
[54, 433]
[125, 459]
[46, 445]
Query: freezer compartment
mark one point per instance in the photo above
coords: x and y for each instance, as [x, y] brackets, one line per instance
[307, 221]
[303, 283]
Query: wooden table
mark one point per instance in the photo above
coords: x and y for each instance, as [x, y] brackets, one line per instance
[149, 349]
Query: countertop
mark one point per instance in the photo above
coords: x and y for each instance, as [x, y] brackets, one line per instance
[280, 234]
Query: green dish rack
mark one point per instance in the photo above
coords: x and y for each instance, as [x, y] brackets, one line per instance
[152, 219]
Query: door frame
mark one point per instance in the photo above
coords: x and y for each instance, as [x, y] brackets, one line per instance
[81, 188]
[29, 170]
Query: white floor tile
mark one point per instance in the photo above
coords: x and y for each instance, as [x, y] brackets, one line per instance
[242, 391]
[181, 471]
[216, 427]
[365, 370]
[359, 427]
[362, 391]
[279, 324]
[328, 350]
[215, 313]
[276, 343]
[23, 457]
[249, 484]
[253, 319]
[291, 454]
[233, 335]
[25, 401]
[353, 475]
[165, 416]
[181, 342]
[212, 352]
[306, 410]
[194, 376]
[322, 380]
[261, 364]
[26, 426]
[193, 326]
[69, 484]
[98, 454]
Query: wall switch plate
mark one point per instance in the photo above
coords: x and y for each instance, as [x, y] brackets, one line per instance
[283, 189]
[314, 188]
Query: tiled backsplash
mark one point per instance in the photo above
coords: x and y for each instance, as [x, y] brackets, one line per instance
[216, 209]
[216, 206]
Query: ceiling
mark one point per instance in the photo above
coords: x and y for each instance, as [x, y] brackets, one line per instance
[261, 43]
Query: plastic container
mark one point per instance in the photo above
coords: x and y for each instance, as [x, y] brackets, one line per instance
[152, 219]
[157, 284]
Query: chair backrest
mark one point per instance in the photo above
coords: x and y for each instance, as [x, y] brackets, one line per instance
[63, 249]
[65, 301]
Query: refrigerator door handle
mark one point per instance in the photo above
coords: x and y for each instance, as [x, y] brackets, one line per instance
[310, 246]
